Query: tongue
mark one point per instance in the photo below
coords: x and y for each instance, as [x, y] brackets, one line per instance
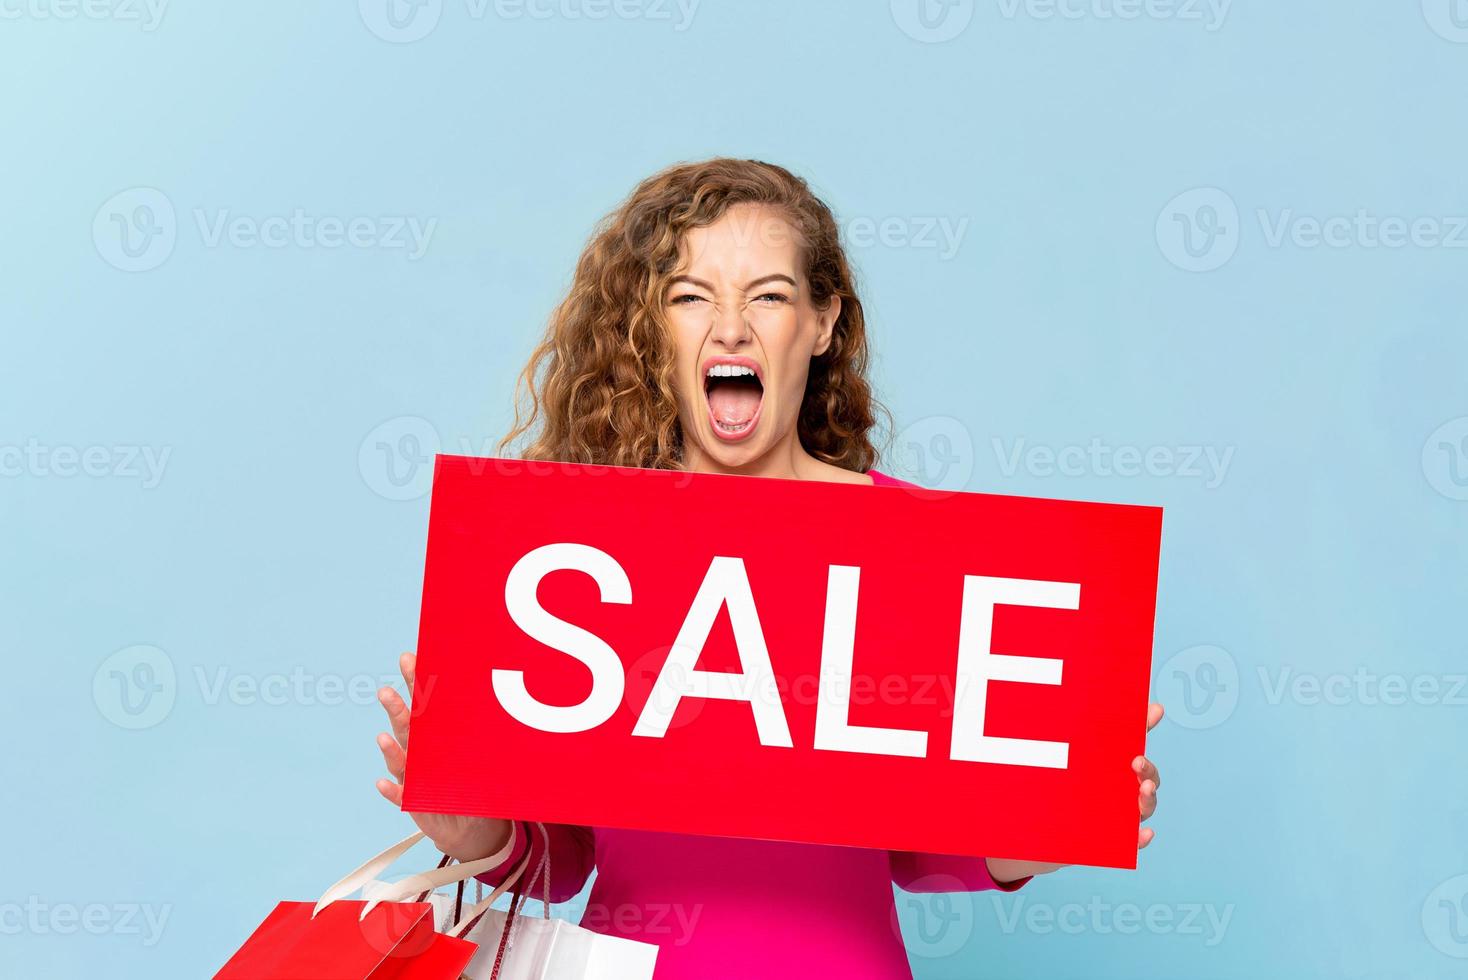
[733, 402]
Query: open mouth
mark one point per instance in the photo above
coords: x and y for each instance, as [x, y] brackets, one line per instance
[735, 393]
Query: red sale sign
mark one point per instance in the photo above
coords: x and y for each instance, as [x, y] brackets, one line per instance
[882, 667]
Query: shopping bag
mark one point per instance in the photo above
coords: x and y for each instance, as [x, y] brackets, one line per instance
[379, 938]
[512, 946]
[554, 949]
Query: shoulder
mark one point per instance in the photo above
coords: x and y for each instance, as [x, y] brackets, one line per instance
[817, 469]
[831, 473]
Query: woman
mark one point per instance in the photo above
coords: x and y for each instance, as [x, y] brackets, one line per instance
[713, 326]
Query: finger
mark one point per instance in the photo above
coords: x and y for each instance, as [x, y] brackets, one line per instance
[397, 713]
[393, 755]
[1147, 798]
[391, 792]
[408, 664]
[1145, 770]
[1154, 715]
[1145, 836]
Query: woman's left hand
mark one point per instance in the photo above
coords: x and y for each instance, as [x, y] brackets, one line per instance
[1148, 779]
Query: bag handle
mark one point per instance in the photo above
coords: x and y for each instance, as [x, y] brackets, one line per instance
[424, 881]
[431, 880]
[517, 900]
[443, 862]
[467, 920]
[542, 873]
[369, 869]
[472, 915]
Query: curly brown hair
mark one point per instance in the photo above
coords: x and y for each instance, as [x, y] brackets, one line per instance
[599, 385]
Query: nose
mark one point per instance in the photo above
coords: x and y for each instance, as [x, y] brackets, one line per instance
[731, 329]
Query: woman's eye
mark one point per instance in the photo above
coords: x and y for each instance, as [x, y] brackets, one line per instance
[774, 297]
[686, 299]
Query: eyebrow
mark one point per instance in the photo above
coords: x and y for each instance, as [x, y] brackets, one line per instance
[772, 277]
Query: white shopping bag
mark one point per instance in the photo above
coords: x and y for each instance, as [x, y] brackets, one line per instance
[554, 949]
[544, 948]
[525, 947]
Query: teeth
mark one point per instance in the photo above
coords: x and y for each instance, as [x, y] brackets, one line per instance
[730, 371]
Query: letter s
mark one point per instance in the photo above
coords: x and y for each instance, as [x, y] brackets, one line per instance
[607, 679]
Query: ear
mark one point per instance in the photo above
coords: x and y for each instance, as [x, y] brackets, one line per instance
[826, 325]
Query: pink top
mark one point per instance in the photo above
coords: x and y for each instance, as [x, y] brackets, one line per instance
[724, 907]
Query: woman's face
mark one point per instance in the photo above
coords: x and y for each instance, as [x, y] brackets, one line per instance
[745, 331]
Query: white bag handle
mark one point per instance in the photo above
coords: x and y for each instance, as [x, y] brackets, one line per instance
[369, 870]
[424, 881]
[472, 914]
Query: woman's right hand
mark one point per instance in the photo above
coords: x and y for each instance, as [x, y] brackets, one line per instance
[463, 838]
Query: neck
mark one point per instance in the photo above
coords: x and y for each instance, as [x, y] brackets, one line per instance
[786, 460]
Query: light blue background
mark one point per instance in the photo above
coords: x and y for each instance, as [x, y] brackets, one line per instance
[1330, 835]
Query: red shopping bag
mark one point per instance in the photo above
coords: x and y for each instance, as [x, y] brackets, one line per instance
[394, 941]
[444, 959]
[385, 938]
